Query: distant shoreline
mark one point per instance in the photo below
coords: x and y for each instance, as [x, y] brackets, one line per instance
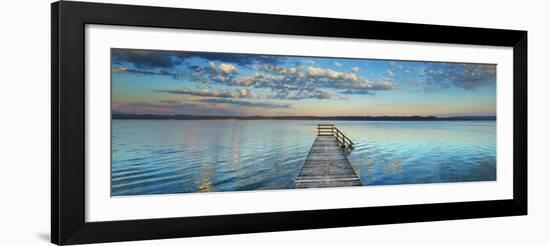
[341, 118]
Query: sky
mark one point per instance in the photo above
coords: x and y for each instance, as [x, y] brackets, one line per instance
[201, 83]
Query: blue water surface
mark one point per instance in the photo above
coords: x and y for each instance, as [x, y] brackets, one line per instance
[178, 156]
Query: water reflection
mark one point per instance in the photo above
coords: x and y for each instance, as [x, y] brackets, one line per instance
[206, 185]
[391, 167]
[171, 156]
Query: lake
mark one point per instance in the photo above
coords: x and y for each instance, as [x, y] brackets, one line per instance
[181, 156]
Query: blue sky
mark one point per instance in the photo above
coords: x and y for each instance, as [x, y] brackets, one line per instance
[198, 83]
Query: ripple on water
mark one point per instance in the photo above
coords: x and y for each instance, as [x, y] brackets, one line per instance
[159, 157]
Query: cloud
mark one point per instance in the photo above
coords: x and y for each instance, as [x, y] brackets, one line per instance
[240, 103]
[292, 83]
[159, 59]
[221, 93]
[315, 71]
[221, 83]
[238, 59]
[119, 69]
[321, 72]
[171, 100]
[295, 84]
[358, 92]
[305, 94]
[203, 104]
[145, 59]
[333, 74]
[275, 69]
[163, 72]
[474, 75]
[465, 76]
[350, 82]
[172, 106]
[365, 84]
[227, 68]
[433, 76]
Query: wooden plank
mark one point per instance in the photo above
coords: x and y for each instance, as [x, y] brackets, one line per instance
[326, 166]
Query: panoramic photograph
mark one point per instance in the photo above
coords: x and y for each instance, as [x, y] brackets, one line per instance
[191, 121]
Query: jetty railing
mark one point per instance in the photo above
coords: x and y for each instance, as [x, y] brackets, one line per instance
[332, 130]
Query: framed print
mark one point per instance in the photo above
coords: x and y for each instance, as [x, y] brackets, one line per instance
[176, 122]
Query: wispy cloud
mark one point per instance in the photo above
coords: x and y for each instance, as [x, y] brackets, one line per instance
[119, 69]
[222, 93]
[171, 100]
[305, 94]
[240, 102]
[172, 106]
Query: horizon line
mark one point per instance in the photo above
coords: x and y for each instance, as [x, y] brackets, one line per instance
[308, 116]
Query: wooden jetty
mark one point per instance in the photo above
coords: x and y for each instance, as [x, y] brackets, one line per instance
[326, 164]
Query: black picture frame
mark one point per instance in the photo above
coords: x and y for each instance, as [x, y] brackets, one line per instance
[68, 20]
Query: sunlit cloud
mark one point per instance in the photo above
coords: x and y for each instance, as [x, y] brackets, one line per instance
[316, 71]
[227, 68]
[119, 69]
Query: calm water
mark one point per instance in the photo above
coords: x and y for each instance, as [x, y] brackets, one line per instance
[174, 156]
